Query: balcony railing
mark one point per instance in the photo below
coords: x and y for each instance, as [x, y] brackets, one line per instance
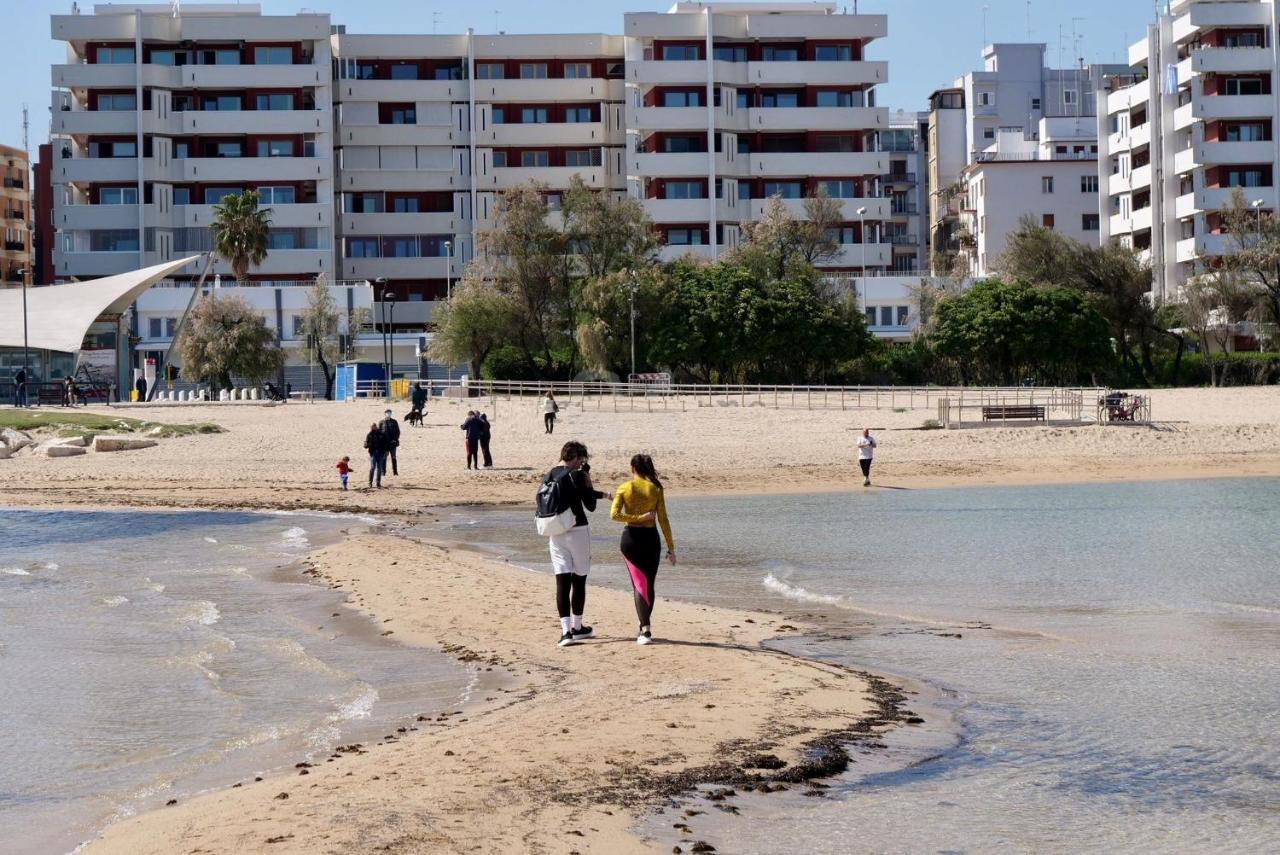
[1028, 156]
[899, 178]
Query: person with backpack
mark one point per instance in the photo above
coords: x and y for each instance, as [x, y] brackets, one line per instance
[563, 500]
[390, 441]
[640, 504]
[549, 410]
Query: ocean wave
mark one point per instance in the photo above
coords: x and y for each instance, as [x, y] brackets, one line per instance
[795, 592]
[210, 540]
[202, 612]
[113, 601]
[360, 707]
[51, 565]
[14, 571]
[296, 538]
[332, 515]
[1249, 607]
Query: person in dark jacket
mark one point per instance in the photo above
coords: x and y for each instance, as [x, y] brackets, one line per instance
[473, 427]
[486, 433]
[20, 388]
[373, 443]
[418, 398]
[141, 388]
[571, 550]
[390, 441]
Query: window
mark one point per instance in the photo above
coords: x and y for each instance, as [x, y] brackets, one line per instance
[871, 316]
[985, 99]
[1242, 86]
[181, 149]
[1242, 40]
[533, 115]
[742, 99]
[400, 246]
[833, 98]
[401, 115]
[113, 240]
[577, 115]
[842, 189]
[182, 195]
[362, 247]
[1253, 132]
[684, 237]
[840, 234]
[780, 54]
[275, 148]
[684, 144]
[833, 53]
[780, 99]
[169, 57]
[364, 203]
[404, 71]
[221, 102]
[904, 312]
[404, 205]
[1088, 184]
[1069, 97]
[154, 326]
[1244, 178]
[490, 71]
[533, 71]
[988, 133]
[577, 70]
[117, 102]
[276, 195]
[221, 56]
[833, 143]
[1089, 222]
[1035, 103]
[785, 189]
[113, 149]
[115, 56]
[499, 115]
[554, 201]
[886, 316]
[228, 149]
[299, 328]
[577, 157]
[682, 98]
[535, 158]
[680, 53]
[1047, 221]
[118, 196]
[214, 195]
[1046, 184]
[275, 101]
[500, 159]
[729, 53]
[684, 190]
[273, 56]
[744, 191]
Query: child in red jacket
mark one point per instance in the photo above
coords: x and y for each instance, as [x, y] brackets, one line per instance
[344, 469]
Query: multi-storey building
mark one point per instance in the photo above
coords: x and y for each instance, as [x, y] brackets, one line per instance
[432, 128]
[906, 142]
[947, 159]
[160, 111]
[731, 104]
[1191, 121]
[42, 216]
[15, 217]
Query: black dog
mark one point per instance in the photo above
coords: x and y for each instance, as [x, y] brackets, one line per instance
[414, 418]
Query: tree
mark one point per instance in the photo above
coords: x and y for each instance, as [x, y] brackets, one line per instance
[1254, 250]
[320, 326]
[225, 336]
[1214, 306]
[240, 232]
[476, 319]
[778, 241]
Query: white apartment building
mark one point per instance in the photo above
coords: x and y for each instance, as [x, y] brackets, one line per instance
[1051, 177]
[156, 115]
[905, 141]
[432, 128]
[730, 104]
[1194, 118]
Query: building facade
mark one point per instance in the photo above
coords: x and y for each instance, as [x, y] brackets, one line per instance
[15, 217]
[1194, 118]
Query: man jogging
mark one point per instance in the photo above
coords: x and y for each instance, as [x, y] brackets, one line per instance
[866, 452]
[390, 441]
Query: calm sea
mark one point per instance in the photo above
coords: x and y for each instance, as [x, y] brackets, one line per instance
[145, 656]
[1115, 682]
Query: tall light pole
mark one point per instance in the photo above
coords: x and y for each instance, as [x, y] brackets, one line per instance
[862, 242]
[632, 286]
[448, 270]
[391, 337]
[26, 372]
[382, 312]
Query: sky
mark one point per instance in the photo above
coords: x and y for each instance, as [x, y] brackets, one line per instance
[930, 43]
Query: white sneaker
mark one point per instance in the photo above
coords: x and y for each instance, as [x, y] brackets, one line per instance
[645, 637]
[866, 482]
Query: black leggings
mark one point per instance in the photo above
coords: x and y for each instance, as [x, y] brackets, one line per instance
[866, 468]
[642, 550]
[549, 421]
[571, 592]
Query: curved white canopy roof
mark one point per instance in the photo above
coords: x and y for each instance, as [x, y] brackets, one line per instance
[58, 316]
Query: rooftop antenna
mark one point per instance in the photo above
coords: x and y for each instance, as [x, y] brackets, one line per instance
[435, 20]
[496, 13]
[1028, 20]
[985, 10]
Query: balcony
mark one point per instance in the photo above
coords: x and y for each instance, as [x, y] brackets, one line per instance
[1140, 137]
[854, 254]
[1217, 198]
[82, 75]
[877, 208]
[808, 164]
[678, 210]
[816, 118]
[433, 135]
[1142, 219]
[253, 76]
[417, 91]
[1211, 107]
[816, 73]
[94, 263]
[661, 72]
[1230, 153]
[692, 164]
[898, 178]
[1120, 225]
[88, 169]
[504, 178]
[98, 122]
[803, 26]
[900, 241]
[404, 179]
[668, 118]
[301, 215]
[204, 169]
[1141, 176]
[559, 134]
[1223, 60]
[1185, 206]
[1213, 245]
[1184, 117]
[255, 121]
[87, 217]
[400, 224]
[435, 267]
[537, 91]
[1185, 250]
[1184, 161]
[673, 253]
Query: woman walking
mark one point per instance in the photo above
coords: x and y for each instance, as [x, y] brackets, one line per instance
[374, 443]
[640, 504]
[866, 453]
[549, 410]
[571, 550]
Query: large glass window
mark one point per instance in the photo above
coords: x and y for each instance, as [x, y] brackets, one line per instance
[221, 102]
[228, 149]
[275, 148]
[577, 115]
[404, 71]
[535, 158]
[113, 240]
[115, 56]
[275, 101]
[684, 237]
[499, 115]
[682, 98]
[448, 72]
[182, 195]
[118, 196]
[362, 247]
[273, 55]
[533, 115]
[276, 195]
[404, 205]
[577, 70]
[833, 53]
[533, 71]
[402, 116]
[834, 98]
[844, 188]
[577, 157]
[785, 189]
[490, 71]
[682, 145]
[780, 99]
[1243, 86]
[679, 53]
[684, 190]
[214, 195]
[1243, 178]
[400, 246]
[117, 102]
[780, 54]
[1253, 132]
[729, 53]
[499, 159]
[840, 234]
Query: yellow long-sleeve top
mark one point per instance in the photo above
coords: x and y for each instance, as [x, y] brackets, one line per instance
[636, 498]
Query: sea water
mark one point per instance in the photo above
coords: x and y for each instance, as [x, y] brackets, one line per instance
[1099, 664]
[145, 656]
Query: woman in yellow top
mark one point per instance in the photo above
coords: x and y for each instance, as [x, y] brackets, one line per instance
[639, 503]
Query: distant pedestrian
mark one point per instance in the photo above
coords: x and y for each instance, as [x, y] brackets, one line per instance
[473, 427]
[373, 444]
[390, 441]
[344, 471]
[486, 433]
[418, 398]
[20, 388]
[866, 452]
[549, 410]
[69, 391]
[140, 386]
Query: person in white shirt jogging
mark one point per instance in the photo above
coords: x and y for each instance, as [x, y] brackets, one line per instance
[866, 452]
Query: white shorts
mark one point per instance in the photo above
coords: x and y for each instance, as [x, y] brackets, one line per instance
[571, 551]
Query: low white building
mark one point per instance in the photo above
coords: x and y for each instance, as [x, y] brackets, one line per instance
[1051, 177]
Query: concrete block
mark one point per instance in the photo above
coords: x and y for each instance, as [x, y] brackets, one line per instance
[253, 394]
[121, 443]
[81, 441]
[5, 453]
[64, 450]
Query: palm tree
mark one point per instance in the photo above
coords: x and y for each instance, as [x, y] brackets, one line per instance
[240, 232]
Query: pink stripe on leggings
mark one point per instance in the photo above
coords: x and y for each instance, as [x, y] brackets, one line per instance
[640, 580]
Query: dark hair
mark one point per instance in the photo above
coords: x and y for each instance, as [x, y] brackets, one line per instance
[573, 450]
[643, 466]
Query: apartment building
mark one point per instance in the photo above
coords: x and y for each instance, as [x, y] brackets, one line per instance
[432, 128]
[15, 217]
[1191, 120]
[730, 104]
[1051, 178]
[160, 111]
[906, 143]
[1012, 92]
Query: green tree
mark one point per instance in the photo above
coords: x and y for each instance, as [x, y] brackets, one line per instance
[1254, 251]
[225, 336]
[240, 232]
[778, 242]
[1215, 305]
[475, 321]
[320, 326]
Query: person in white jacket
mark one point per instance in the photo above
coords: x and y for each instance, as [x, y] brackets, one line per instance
[549, 410]
[866, 452]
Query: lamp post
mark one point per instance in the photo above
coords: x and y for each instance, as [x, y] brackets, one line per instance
[391, 337]
[26, 372]
[632, 287]
[382, 312]
[448, 270]
[862, 242]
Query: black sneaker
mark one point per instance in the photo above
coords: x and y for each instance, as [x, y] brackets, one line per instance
[584, 632]
[567, 639]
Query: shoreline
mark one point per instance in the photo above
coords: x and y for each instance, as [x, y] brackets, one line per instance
[841, 708]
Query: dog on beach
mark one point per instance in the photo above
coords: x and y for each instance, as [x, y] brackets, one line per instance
[414, 418]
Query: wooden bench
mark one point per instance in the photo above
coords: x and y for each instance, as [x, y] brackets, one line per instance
[50, 395]
[1004, 412]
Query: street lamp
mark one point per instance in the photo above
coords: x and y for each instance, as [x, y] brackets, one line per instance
[448, 270]
[862, 242]
[1257, 204]
[382, 312]
[632, 286]
[26, 372]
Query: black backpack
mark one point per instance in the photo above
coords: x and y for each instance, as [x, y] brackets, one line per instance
[552, 513]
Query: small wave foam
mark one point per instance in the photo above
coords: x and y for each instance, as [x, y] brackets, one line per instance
[14, 571]
[113, 601]
[202, 612]
[360, 707]
[1250, 607]
[795, 592]
[296, 538]
[210, 540]
[51, 565]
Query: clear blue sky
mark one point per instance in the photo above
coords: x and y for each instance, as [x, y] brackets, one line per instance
[930, 42]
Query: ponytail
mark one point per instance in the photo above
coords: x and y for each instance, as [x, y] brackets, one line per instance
[643, 466]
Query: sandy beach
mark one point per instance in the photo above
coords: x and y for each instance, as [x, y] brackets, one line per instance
[564, 750]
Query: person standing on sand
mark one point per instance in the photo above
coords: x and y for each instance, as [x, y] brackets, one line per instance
[20, 388]
[373, 443]
[344, 471]
[486, 433]
[391, 441]
[640, 504]
[866, 452]
[473, 427]
[418, 398]
[571, 550]
[549, 410]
